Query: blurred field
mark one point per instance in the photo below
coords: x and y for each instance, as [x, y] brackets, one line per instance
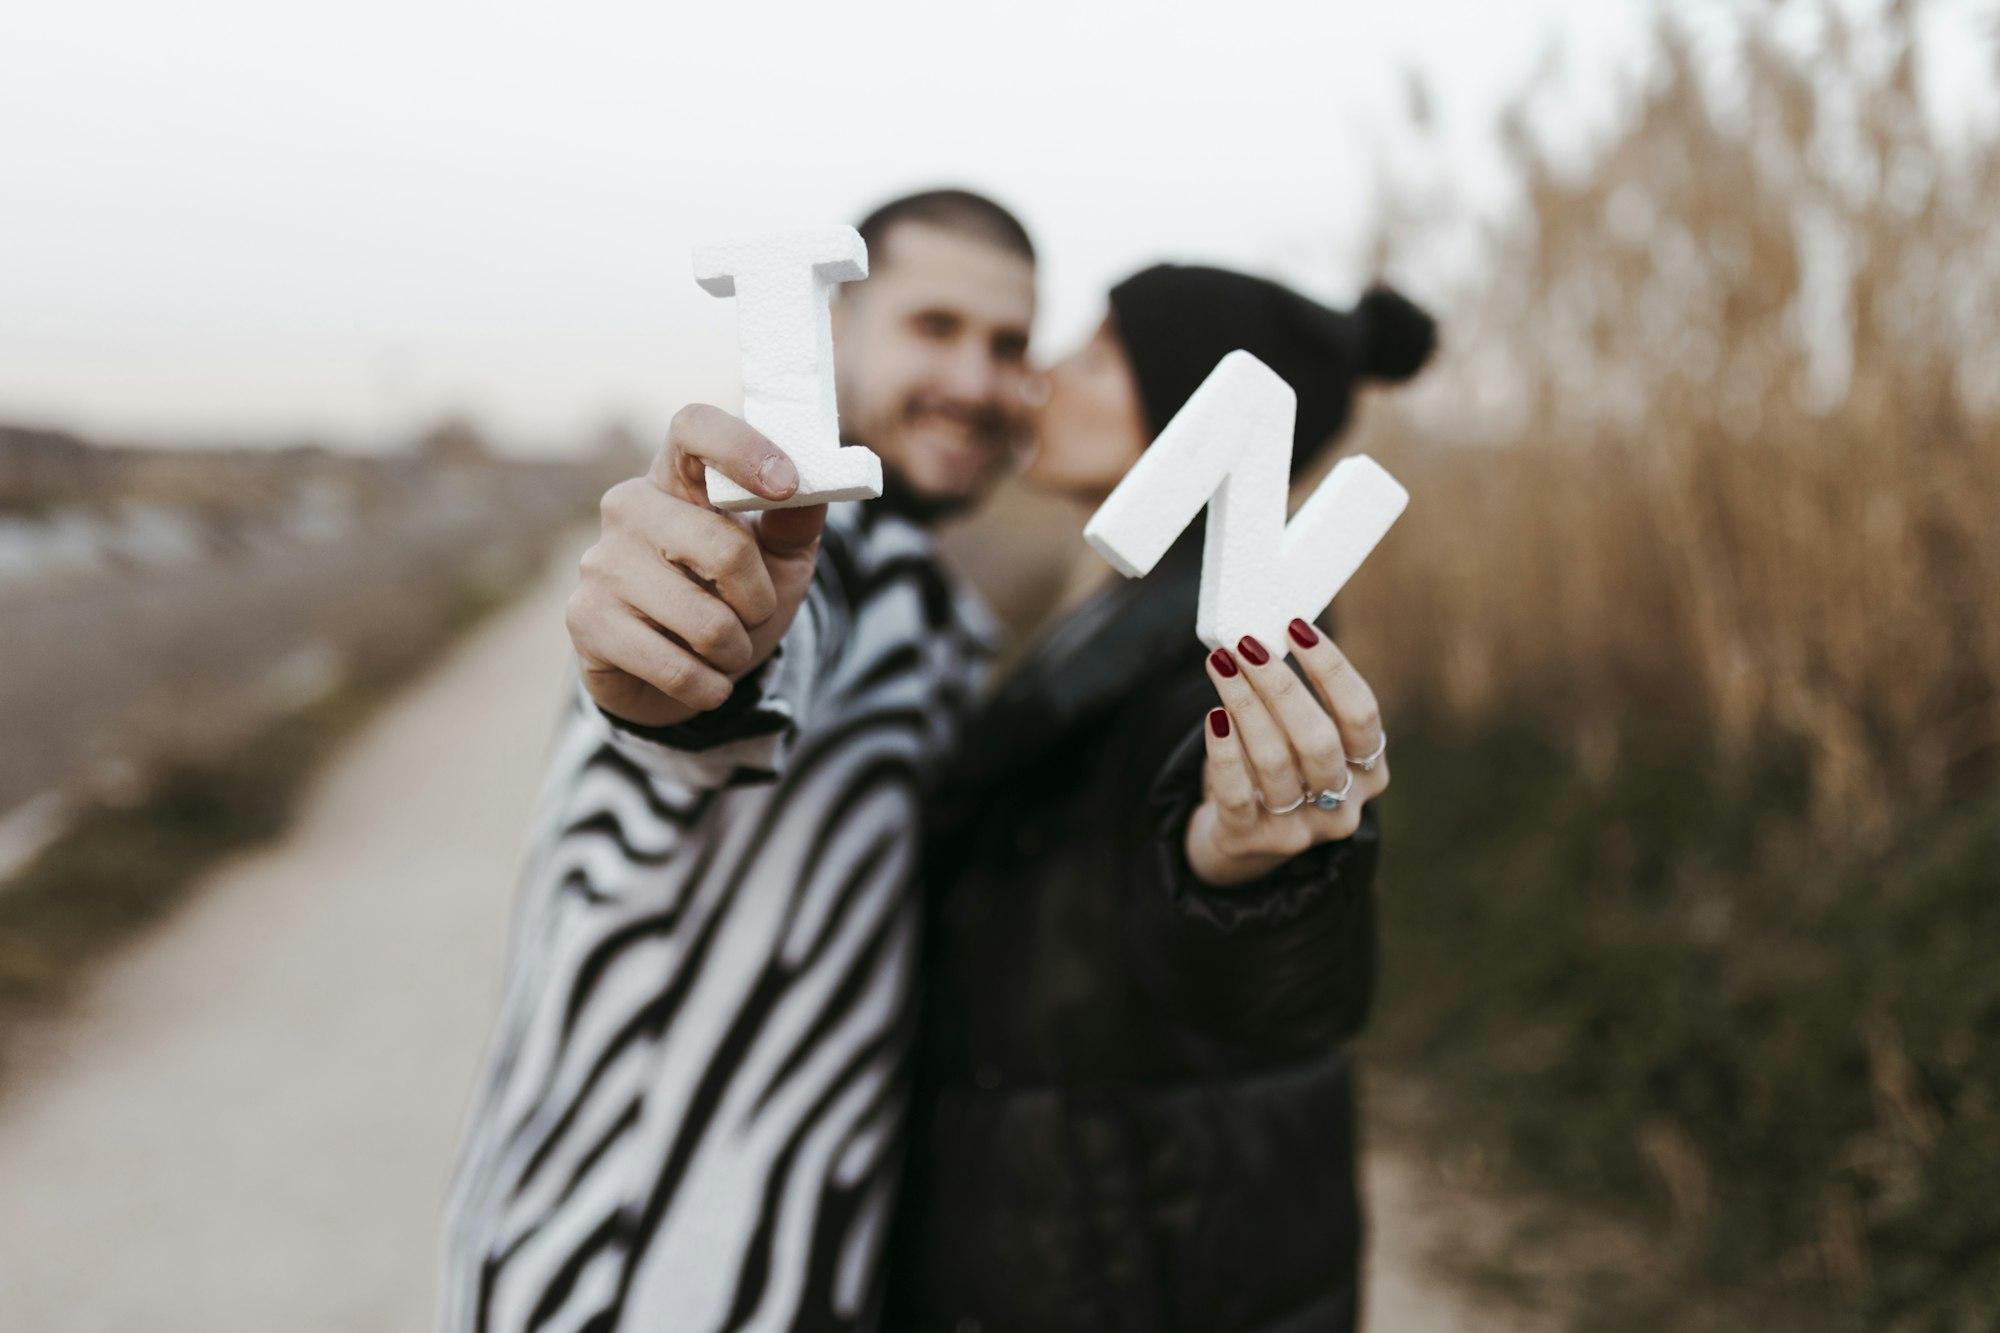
[1690, 652]
[163, 601]
[189, 631]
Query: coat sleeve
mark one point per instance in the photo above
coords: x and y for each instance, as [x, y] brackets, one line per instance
[1285, 963]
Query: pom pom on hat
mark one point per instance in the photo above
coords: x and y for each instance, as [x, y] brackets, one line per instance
[1396, 337]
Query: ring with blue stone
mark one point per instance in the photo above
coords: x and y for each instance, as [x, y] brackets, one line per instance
[1330, 800]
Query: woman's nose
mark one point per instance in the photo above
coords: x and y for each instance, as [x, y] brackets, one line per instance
[1036, 386]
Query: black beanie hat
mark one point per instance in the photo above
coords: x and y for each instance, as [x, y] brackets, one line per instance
[1176, 321]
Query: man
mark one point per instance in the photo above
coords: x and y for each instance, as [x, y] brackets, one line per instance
[692, 1111]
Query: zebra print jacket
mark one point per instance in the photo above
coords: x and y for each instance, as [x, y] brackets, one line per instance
[691, 1113]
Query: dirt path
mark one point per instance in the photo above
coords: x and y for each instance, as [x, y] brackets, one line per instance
[1412, 1218]
[246, 1121]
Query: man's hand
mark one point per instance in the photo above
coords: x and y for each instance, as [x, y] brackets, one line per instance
[1288, 767]
[678, 600]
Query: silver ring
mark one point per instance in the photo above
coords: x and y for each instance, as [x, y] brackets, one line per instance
[1333, 800]
[1304, 796]
[1368, 765]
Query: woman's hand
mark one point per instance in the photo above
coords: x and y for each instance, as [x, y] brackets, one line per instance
[1274, 742]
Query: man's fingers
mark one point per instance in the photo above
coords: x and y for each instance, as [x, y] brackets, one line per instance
[610, 640]
[722, 552]
[1272, 767]
[1229, 783]
[689, 613]
[702, 437]
[790, 532]
[650, 530]
[1341, 687]
[1311, 733]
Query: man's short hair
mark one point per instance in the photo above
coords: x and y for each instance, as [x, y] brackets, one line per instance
[961, 211]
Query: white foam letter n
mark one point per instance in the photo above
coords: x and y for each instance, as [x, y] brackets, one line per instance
[1230, 449]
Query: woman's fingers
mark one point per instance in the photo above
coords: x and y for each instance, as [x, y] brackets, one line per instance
[1231, 839]
[1277, 736]
[1308, 730]
[1230, 785]
[1345, 693]
[1272, 768]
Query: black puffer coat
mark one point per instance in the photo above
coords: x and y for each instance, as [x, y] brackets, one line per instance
[1133, 1111]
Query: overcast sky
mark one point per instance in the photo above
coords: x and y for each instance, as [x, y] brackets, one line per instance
[258, 221]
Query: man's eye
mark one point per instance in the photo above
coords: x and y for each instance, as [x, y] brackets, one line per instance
[936, 326]
[1010, 349]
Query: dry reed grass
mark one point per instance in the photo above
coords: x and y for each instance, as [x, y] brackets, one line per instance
[1689, 641]
[1736, 462]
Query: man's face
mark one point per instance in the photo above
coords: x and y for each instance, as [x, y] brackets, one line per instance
[931, 355]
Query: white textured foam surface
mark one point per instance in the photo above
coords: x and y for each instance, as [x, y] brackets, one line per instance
[1230, 448]
[784, 334]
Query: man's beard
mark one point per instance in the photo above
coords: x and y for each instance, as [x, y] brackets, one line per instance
[905, 500]
[927, 509]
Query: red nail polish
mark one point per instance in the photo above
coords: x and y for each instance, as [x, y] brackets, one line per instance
[1253, 651]
[1302, 634]
[1223, 663]
[1218, 722]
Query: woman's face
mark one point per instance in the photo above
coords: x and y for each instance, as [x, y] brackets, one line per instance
[1092, 427]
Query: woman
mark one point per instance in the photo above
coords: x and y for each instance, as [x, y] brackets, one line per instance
[1143, 951]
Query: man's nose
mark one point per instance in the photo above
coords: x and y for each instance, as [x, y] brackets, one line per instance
[972, 375]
